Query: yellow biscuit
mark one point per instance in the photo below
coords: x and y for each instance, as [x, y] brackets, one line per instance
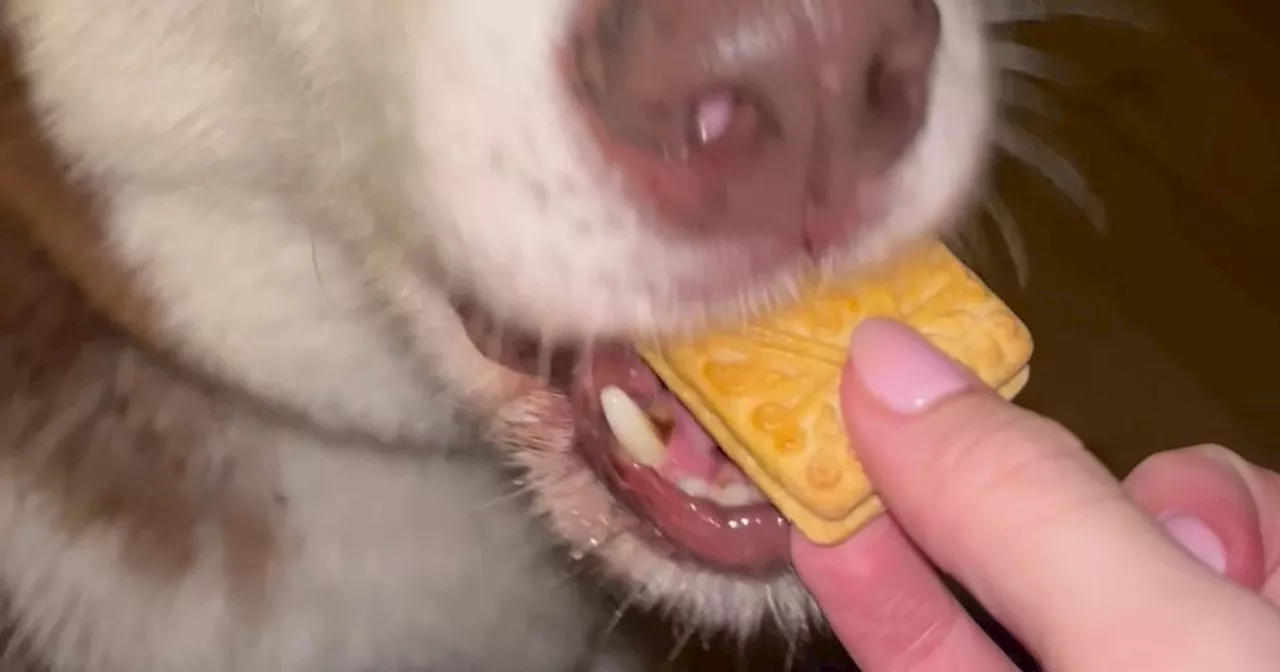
[768, 392]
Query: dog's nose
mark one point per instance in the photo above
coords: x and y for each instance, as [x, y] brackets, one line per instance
[738, 115]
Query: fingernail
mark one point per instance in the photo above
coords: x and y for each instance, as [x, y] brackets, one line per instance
[902, 369]
[1199, 540]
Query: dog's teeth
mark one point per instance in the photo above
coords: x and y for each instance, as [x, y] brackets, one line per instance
[631, 427]
[737, 494]
[694, 487]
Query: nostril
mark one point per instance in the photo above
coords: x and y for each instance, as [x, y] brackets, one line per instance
[890, 101]
[891, 92]
[877, 93]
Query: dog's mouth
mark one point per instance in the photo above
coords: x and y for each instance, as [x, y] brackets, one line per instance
[689, 501]
[662, 464]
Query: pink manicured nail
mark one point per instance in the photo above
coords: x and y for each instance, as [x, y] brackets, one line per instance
[1199, 539]
[901, 368]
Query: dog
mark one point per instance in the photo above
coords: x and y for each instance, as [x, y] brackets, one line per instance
[308, 378]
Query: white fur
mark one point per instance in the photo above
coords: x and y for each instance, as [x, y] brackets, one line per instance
[363, 583]
[297, 184]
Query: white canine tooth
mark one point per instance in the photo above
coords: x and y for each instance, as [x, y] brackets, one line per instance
[631, 427]
[694, 487]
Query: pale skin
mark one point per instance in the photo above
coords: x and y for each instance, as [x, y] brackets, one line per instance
[1077, 564]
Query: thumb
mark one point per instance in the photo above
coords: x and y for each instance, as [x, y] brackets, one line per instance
[1012, 505]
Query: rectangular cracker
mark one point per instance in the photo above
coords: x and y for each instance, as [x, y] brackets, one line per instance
[768, 391]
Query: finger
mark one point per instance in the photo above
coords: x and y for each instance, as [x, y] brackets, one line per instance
[1013, 506]
[889, 609]
[1236, 503]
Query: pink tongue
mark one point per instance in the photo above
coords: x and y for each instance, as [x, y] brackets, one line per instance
[692, 453]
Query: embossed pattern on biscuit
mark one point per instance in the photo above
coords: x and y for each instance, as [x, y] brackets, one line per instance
[768, 393]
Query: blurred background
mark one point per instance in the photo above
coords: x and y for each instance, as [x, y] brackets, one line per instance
[1156, 305]
[1160, 330]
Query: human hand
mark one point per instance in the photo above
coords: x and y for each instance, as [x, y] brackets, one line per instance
[1067, 558]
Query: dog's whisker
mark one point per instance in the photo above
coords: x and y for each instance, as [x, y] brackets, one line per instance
[1022, 95]
[315, 260]
[1013, 57]
[1009, 12]
[682, 643]
[965, 241]
[793, 652]
[741, 655]
[624, 607]
[1007, 225]
[1053, 166]
[523, 489]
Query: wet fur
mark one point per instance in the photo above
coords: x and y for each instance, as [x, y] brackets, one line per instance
[241, 429]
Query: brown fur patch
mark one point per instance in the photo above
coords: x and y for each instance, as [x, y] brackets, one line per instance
[89, 420]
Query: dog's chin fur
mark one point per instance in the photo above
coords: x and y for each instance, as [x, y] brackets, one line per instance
[297, 189]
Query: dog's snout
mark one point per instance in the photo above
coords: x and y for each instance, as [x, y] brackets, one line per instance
[758, 103]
